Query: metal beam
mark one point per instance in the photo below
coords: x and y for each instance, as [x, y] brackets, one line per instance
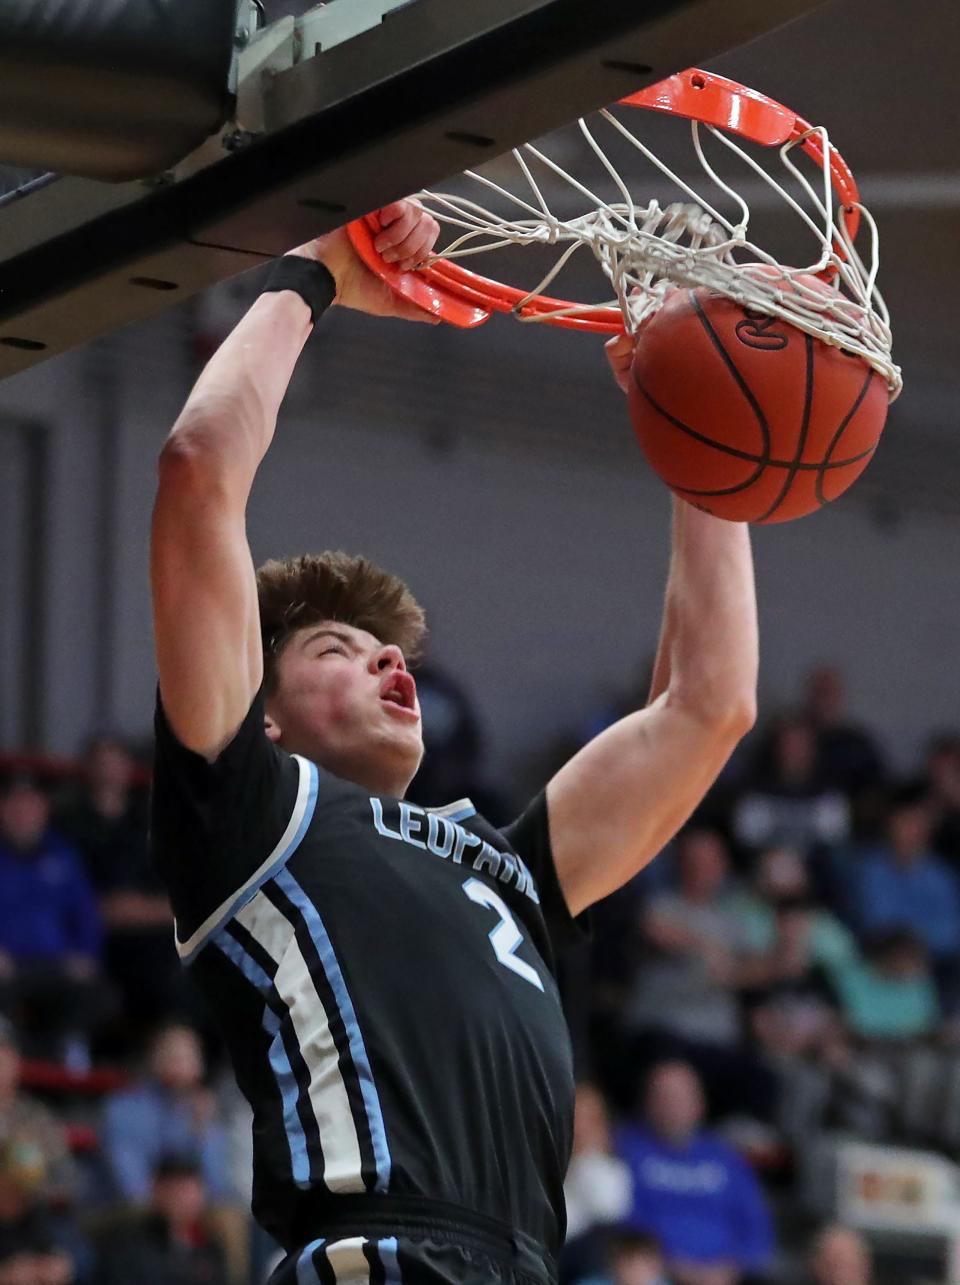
[433, 89]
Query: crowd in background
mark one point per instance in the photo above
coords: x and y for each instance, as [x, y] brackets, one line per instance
[789, 966]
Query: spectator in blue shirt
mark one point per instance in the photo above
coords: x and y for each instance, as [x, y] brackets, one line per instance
[105, 816]
[903, 885]
[170, 1112]
[692, 1192]
[50, 934]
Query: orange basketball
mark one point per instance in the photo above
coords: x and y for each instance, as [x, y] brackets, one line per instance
[745, 415]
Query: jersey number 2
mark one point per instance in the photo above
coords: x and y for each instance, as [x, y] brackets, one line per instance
[506, 937]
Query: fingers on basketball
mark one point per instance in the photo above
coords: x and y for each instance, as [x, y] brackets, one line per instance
[619, 352]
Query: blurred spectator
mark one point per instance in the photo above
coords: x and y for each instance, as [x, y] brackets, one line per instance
[691, 938]
[169, 1112]
[848, 756]
[631, 1259]
[787, 803]
[681, 1002]
[902, 884]
[890, 1078]
[452, 766]
[25, 1260]
[691, 1191]
[104, 813]
[50, 932]
[598, 1187]
[35, 1248]
[943, 793]
[781, 881]
[892, 994]
[792, 949]
[106, 818]
[789, 986]
[839, 1256]
[170, 1242]
[27, 1124]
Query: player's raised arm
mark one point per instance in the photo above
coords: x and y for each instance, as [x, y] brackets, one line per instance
[206, 620]
[618, 801]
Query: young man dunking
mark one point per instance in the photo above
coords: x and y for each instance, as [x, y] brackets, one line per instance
[384, 973]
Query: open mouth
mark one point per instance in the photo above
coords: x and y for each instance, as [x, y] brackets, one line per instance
[400, 690]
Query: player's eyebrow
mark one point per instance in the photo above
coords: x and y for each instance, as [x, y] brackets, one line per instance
[329, 633]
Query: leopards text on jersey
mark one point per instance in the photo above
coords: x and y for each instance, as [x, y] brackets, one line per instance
[383, 975]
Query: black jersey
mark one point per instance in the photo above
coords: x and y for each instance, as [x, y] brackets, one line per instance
[384, 978]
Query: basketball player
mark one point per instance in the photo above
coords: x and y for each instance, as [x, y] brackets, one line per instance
[384, 974]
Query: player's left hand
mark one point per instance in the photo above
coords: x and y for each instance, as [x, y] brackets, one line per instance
[619, 352]
[408, 235]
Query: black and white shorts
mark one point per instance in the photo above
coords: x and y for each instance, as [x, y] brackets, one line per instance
[397, 1240]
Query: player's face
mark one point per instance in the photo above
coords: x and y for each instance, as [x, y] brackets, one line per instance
[345, 700]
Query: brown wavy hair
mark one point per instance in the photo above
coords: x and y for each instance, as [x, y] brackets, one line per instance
[296, 592]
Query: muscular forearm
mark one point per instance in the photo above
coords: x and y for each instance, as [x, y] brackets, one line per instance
[230, 416]
[708, 656]
[205, 600]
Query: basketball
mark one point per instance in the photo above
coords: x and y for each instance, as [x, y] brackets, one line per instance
[746, 416]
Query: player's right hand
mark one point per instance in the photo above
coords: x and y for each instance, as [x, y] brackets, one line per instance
[408, 235]
[619, 352]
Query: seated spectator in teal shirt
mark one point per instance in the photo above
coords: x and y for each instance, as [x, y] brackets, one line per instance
[780, 876]
[891, 995]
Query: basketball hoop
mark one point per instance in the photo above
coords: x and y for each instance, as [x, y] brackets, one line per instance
[645, 250]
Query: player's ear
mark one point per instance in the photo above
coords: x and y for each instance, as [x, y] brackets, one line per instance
[272, 728]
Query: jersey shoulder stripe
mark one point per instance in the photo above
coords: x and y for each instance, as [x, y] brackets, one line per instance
[300, 818]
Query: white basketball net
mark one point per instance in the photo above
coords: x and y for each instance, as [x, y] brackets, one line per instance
[646, 250]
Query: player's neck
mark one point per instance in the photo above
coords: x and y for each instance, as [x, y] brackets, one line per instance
[377, 782]
[386, 779]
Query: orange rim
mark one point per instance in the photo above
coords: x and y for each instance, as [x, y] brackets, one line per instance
[468, 299]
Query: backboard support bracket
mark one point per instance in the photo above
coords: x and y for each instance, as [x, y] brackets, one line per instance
[428, 91]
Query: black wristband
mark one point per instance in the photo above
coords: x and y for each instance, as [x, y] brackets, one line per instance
[311, 280]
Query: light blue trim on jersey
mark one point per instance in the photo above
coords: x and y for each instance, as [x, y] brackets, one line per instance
[387, 1250]
[463, 815]
[279, 1061]
[303, 810]
[306, 1271]
[358, 1052]
[459, 811]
